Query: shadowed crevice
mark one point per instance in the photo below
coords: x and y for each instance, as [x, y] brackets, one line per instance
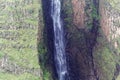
[48, 40]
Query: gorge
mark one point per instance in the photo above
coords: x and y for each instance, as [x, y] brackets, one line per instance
[59, 39]
[86, 43]
[59, 55]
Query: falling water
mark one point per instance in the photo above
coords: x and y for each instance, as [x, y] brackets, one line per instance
[60, 57]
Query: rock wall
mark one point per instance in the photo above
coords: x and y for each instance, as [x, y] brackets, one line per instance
[110, 19]
[112, 16]
[92, 35]
[81, 38]
[46, 42]
[92, 39]
[78, 13]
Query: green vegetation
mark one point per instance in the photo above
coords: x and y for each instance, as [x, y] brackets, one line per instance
[68, 13]
[43, 60]
[46, 75]
[118, 78]
[42, 50]
[105, 59]
[115, 4]
[25, 76]
[92, 14]
[106, 63]
[19, 12]
[18, 36]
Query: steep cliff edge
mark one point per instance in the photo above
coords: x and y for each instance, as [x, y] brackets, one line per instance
[92, 39]
[92, 47]
[110, 19]
[81, 34]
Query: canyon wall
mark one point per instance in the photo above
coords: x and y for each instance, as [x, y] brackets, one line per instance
[81, 35]
[92, 33]
[109, 22]
[92, 39]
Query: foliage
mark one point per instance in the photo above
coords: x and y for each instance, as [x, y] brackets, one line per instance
[67, 13]
[115, 4]
[104, 59]
[18, 36]
[118, 78]
[92, 14]
[43, 60]
[25, 76]
[18, 11]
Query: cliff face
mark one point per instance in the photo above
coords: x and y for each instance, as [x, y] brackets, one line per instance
[92, 39]
[110, 19]
[78, 13]
[81, 32]
[92, 35]
[92, 32]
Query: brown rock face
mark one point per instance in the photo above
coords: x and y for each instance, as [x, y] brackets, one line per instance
[110, 19]
[105, 19]
[110, 25]
[78, 13]
[88, 53]
[80, 42]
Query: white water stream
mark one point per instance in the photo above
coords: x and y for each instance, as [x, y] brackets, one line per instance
[60, 57]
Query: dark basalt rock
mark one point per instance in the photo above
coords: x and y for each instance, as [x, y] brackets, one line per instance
[48, 36]
[79, 49]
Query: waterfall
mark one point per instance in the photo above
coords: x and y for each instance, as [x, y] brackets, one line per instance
[60, 56]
